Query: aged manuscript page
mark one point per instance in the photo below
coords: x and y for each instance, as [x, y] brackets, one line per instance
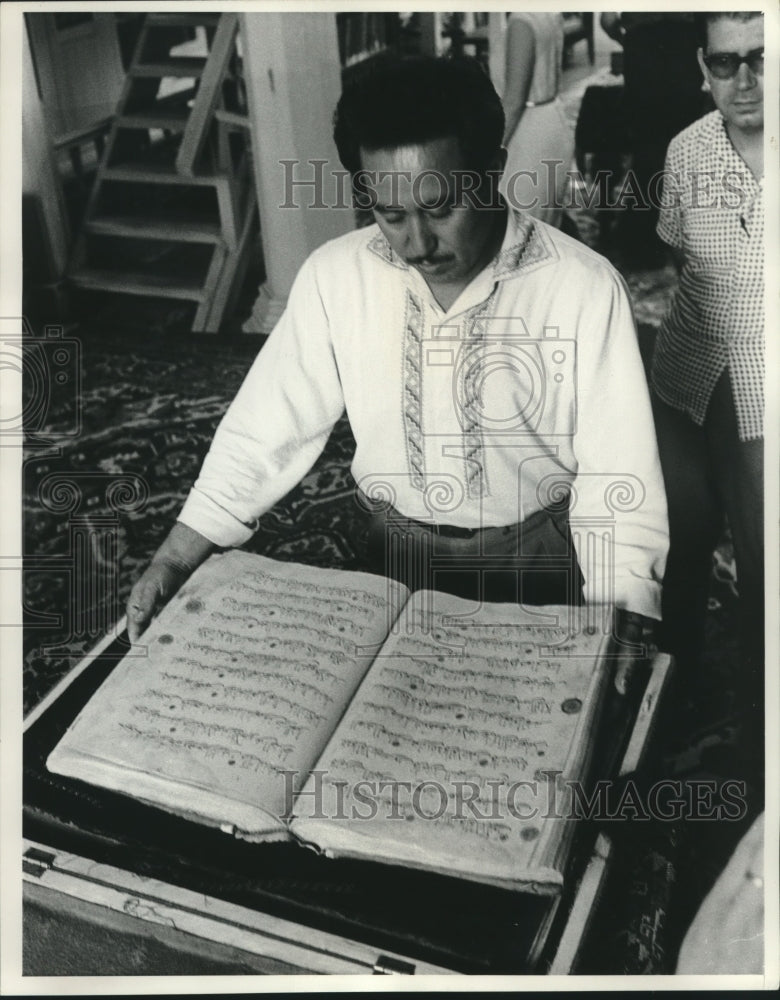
[246, 673]
[446, 757]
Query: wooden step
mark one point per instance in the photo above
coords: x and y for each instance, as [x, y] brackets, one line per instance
[172, 19]
[232, 118]
[138, 228]
[189, 66]
[208, 96]
[139, 173]
[171, 119]
[154, 285]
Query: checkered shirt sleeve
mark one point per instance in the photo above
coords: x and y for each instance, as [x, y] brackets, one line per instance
[713, 211]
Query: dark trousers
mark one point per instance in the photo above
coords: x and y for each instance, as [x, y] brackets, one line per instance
[529, 563]
[710, 473]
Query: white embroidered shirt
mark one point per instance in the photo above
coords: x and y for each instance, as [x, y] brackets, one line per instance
[530, 383]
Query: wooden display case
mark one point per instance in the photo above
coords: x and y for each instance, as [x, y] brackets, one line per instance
[105, 860]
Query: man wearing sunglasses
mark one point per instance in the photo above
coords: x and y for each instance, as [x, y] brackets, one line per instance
[708, 367]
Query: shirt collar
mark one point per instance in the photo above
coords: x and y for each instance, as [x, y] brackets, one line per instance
[717, 137]
[525, 245]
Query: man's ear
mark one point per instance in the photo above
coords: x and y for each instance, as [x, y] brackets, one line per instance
[702, 66]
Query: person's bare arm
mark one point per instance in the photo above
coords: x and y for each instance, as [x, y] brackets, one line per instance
[678, 257]
[520, 56]
[177, 558]
[611, 24]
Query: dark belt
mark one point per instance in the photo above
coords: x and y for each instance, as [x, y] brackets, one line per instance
[447, 530]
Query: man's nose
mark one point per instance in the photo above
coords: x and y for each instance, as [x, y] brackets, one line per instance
[420, 241]
[745, 77]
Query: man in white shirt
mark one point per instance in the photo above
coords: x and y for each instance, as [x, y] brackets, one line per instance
[487, 363]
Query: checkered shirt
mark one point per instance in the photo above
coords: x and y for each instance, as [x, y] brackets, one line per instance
[713, 211]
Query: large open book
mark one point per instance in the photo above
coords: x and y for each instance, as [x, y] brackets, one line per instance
[281, 701]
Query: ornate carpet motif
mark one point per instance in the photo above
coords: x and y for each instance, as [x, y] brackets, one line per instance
[98, 505]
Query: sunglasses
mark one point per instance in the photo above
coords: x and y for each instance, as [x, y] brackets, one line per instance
[725, 65]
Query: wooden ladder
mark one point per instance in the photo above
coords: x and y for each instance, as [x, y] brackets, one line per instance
[173, 210]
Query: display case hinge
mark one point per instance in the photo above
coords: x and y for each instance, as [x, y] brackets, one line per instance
[387, 966]
[36, 862]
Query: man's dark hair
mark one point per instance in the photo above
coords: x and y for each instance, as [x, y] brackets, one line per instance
[409, 101]
[705, 18]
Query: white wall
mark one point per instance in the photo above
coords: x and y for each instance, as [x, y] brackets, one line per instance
[38, 173]
[291, 64]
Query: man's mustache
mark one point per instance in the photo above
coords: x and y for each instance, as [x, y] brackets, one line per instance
[429, 260]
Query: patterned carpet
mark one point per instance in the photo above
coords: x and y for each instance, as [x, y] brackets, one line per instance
[106, 473]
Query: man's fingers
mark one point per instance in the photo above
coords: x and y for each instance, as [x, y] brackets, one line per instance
[155, 588]
[141, 606]
[631, 674]
[623, 675]
[137, 620]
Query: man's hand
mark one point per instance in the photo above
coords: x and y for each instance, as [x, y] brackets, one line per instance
[634, 634]
[177, 558]
[152, 592]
